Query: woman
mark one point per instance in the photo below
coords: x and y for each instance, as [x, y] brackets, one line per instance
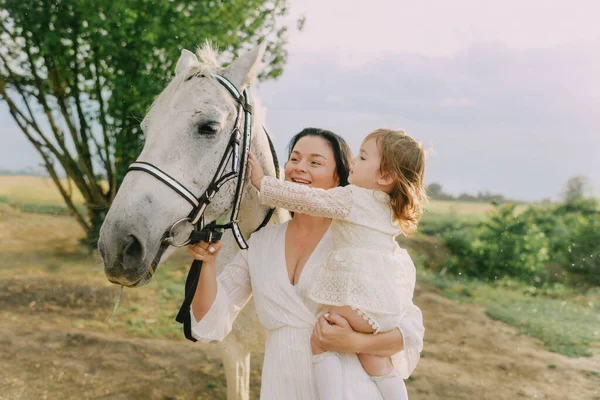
[278, 269]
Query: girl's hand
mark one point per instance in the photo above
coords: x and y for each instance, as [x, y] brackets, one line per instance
[256, 171]
[332, 332]
[206, 252]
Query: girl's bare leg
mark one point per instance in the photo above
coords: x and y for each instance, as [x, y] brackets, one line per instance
[379, 368]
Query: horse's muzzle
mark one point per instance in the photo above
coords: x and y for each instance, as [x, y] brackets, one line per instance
[128, 265]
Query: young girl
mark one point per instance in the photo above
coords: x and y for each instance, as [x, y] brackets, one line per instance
[367, 278]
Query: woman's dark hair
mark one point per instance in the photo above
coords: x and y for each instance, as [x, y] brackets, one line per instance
[341, 150]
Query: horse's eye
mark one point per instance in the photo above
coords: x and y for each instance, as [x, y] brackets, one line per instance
[208, 129]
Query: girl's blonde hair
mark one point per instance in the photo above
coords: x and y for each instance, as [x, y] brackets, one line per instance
[403, 158]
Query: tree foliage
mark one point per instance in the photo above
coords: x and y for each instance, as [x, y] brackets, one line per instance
[532, 245]
[576, 188]
[78, 75]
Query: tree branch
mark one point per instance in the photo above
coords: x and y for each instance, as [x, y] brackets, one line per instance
[112, 182]
[16, 113]
[66, 195]
[39, 146]
[69, 164]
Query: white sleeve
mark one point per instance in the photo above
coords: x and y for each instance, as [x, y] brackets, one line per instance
[233, 292]
[412, 329]
[334, 203]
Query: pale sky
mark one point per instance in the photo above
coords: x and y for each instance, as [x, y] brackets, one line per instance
[504, 93]
[441, 27]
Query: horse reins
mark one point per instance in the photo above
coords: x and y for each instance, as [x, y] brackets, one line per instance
[235, 153]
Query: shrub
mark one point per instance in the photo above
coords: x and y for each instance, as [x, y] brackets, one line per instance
[525, 245]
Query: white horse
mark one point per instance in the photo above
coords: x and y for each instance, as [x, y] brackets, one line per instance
[186, 132]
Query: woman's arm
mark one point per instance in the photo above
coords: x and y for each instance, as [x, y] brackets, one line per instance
[219, 299]
[206, 290]
[404, 344]
[334, 333]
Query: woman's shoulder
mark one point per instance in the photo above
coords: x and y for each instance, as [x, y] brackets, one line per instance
[267, 233]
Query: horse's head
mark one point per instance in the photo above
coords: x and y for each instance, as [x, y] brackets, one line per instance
[186, 132]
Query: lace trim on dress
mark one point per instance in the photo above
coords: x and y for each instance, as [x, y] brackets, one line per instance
[371, 322]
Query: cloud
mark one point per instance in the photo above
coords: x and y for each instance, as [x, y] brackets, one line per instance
[519, 122]
[496, 83]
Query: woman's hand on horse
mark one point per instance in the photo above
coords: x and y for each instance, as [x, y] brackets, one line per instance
[256, 171]
[332, 332]
[206, 252]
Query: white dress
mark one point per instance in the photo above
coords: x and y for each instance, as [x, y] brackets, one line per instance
[288, 316]
[366, 269]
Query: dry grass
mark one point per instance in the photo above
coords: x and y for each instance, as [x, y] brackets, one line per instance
[462, 208]
[19, 232]
[33, 190]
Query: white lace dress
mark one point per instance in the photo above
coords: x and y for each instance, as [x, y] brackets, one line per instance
[366, 270]
[288, 316]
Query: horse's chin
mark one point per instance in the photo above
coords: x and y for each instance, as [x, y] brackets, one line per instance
[133, 281]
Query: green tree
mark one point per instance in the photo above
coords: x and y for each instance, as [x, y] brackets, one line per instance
[78, 75]
[576, 188]
[434, 190]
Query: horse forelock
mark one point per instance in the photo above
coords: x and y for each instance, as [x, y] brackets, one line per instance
[207, 65]
[207, 59]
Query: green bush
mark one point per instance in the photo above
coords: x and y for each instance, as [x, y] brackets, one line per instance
[524, 245]
[503, 245]
[580, 251]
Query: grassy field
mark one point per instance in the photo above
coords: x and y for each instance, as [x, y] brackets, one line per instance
[33, 190]
[567, 321]
[458, 208]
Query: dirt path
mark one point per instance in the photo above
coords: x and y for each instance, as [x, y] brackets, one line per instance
[467, 356]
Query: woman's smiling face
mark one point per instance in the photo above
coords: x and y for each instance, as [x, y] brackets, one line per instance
[312, 163]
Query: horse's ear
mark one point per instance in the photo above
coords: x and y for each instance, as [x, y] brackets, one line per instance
[243, 71]
[185, 62]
